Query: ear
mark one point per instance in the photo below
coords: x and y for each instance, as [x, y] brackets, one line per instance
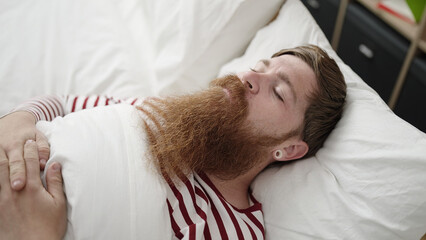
[294, 150]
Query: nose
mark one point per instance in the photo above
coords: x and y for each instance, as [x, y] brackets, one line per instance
[251, 81]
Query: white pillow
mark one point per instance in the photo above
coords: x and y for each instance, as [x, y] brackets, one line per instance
[73, 47]
[195, 38]
[121, 48]
[112, 191]
[367, 182]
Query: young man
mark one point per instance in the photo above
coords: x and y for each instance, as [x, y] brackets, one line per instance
[215, 142]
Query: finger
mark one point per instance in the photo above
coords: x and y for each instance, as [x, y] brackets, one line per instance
[54, 181]
[43, 148]
[4, 171]
[31, 161]
[17, 168]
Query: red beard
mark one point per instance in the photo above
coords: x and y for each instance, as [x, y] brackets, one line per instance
[206, 131]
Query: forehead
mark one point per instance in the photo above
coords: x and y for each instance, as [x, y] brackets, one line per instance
[291, 63]
[300, 74]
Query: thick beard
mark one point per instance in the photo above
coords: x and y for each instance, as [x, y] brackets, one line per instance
[204, 132]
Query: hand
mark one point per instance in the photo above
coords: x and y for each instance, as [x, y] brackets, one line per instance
[32, 213]
[15, 129]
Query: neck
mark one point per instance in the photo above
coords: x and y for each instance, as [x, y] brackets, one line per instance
[235, 191]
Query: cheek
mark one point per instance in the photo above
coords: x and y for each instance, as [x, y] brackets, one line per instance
[265, 117]
[272, 120]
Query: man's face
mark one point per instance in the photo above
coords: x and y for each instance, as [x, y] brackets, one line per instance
[277, 91]
[234, 125]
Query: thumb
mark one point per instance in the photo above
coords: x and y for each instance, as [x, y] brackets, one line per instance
[54, 182]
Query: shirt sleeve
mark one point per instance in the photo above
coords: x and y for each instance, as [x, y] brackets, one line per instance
[49, 107]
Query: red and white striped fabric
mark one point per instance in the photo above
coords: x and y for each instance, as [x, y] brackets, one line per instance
[197, 209]
[48, 107]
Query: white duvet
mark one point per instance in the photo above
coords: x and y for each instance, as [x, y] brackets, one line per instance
[112, 191]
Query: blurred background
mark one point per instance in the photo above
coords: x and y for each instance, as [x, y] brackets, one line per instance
[384, 42]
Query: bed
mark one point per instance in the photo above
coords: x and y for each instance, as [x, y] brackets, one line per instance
[367, 182]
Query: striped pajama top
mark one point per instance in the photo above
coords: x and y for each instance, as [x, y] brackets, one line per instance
[197, 209]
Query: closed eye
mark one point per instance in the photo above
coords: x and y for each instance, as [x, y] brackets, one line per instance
[278, 95]
[253, 70]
